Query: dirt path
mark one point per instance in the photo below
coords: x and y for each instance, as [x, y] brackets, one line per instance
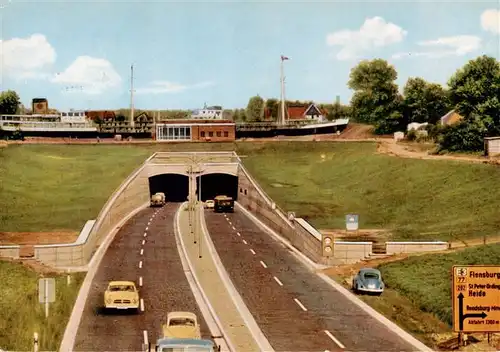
[391, 147]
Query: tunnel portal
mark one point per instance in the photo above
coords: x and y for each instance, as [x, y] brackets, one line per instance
[213, 185]
[175, 186]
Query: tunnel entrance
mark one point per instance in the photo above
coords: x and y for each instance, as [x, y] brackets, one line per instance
[175, 186]
[213, 185]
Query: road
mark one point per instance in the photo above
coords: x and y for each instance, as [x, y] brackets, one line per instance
[296, 310]
[152, 259]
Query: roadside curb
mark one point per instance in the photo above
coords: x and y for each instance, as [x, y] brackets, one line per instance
[71, 330]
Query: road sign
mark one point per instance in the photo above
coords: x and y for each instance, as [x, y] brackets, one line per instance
[351, 222]
[476, 298]
[47, 290]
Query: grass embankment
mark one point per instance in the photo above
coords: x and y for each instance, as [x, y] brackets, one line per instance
[22, 314]
[416, 199]
[49, 187]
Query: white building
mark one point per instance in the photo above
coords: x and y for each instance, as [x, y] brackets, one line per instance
[207, 113]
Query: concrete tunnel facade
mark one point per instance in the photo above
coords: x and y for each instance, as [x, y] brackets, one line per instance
[176, 186]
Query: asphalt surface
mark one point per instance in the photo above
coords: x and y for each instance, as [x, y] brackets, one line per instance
[164, 285]
[293, 307]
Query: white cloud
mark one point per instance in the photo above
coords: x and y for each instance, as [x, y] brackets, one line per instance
[490, 21]
[92, 75]
[446, 46]
[166, 87]
[27, 58]
[375, 32]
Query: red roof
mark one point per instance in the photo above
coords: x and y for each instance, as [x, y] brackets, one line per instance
[295, 112]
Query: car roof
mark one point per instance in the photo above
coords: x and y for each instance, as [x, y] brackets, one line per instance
[369, 270]
[177, 341]
[119, 283]
[180, 314]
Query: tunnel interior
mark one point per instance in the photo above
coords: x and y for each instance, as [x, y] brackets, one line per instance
[175, 186]
[213, 185]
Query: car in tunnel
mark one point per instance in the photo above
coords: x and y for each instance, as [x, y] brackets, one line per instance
[209, 204]
[121, 295]
[223, 204]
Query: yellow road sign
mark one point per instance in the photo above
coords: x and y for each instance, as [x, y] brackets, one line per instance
[476, 298]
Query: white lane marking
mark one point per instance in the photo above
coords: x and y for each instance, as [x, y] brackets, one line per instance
[143, 241]
[142, 305]
[278, 281]
[330, 335]
[239, 234]
[140, 280]
[263, 264]
[234, 228]
[147, 228]
[142, 251]
[229, 221]
[140, 264]
[300, 304]
[145, 234]
[145, 333]
[149, 222]
[245, 242]
[251, 250]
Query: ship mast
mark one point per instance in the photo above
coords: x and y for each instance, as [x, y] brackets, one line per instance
[132, 95]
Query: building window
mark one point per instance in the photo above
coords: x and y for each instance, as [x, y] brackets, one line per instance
[226, 134]
[168, 133]
[202, 133]
[210, 134]
[241, 190]
[245, 192]
[219, 133]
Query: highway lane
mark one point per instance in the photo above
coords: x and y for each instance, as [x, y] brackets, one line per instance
[153, 260]
[277, 268]
[279, 313]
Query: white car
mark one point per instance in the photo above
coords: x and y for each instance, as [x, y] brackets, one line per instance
[209, 204]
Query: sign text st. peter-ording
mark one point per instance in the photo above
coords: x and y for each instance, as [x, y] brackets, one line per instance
[476, 298]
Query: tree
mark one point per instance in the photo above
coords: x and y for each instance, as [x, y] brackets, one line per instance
[272, 106]
[338, 111]
[424, 102]
[9, 102]
[376, 97]
[475, 89]
[468, 135]
[255, 109]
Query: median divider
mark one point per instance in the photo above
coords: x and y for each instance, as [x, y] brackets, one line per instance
[224, 319]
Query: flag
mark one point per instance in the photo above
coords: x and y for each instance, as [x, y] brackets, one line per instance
[283, 58]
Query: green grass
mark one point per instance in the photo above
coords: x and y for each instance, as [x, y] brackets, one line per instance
[48, 187]
[426, 280]
[417, 199]
[21, 313]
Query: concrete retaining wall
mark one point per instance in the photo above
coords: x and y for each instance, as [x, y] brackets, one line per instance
[253, 198]
[9, 251]
[351, 252]
[411, 247]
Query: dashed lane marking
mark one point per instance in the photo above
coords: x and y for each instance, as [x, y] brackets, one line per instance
[234, 228]
[142, 305]
[140, 281]
[330, 335]
[245, 242]
[143, 241]
[251, 250]
[142, 251]
[147, 228]
[277, 280]
[239, 234]
[145, 234]
[263, 264]
[140, 264]
[300, 304]
[145, 333]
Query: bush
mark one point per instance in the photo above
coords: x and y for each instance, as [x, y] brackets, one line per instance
[411, 135]
[464, 136]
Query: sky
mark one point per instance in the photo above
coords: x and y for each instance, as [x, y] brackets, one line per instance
[78, 54]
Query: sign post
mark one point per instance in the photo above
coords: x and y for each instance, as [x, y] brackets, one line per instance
[352, 222]
[47, 292]
[476, 298]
